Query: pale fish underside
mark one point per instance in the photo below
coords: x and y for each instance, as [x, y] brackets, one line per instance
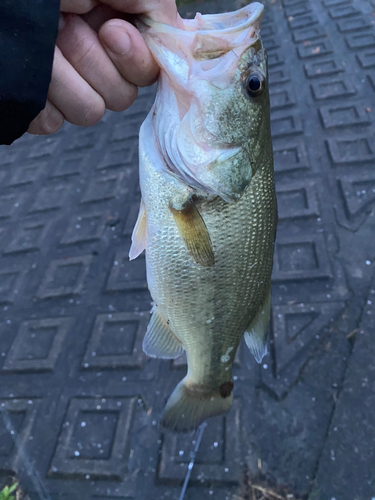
[208, 214]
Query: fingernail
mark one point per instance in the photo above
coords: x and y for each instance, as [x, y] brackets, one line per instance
[118, 41]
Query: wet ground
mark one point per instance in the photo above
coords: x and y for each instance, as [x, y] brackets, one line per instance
[80, 402]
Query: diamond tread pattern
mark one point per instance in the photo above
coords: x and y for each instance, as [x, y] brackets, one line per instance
[79, 398]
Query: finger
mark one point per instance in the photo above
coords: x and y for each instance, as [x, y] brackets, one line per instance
[162, 11]
[80, 46]
[49, 120]
[72, 95]
[128, 51]
[101, 14]
[77, 6]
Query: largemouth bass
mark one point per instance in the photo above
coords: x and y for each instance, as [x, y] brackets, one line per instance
[208, 213]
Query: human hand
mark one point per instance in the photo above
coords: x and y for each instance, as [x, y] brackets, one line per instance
[100, 60]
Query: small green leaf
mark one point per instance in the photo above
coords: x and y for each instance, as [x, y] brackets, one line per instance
[6, 492]
[13, 487]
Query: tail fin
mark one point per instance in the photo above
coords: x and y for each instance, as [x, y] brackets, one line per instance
[188, 407]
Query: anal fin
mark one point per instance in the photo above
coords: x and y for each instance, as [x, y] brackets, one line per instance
[194, 232]
[160, 341]
[139, 233]
[256, 332]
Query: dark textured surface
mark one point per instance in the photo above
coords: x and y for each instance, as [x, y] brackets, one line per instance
[349, 453]
[82, 401]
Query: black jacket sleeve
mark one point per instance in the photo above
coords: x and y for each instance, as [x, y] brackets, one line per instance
[28, 31]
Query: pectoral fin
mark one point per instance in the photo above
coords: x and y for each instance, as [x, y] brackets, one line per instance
[194, 232]
[160, 341]
[256, 332]
[139, 233]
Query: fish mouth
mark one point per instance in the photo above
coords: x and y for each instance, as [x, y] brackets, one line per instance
[226, 23]
[205, 37]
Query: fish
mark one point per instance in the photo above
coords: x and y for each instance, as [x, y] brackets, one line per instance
[208, 215]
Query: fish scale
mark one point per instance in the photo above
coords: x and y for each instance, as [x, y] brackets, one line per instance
[242, 234]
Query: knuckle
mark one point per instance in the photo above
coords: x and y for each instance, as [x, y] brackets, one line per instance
[122, 100]
[152, 76]
[81, 56]
[93, 113]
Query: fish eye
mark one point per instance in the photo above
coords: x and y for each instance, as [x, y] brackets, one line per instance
[254, 84]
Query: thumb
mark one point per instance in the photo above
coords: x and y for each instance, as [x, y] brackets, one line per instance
[128, 52]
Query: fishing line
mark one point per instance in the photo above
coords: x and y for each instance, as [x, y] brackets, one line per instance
[32, 473]
[192, 460]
